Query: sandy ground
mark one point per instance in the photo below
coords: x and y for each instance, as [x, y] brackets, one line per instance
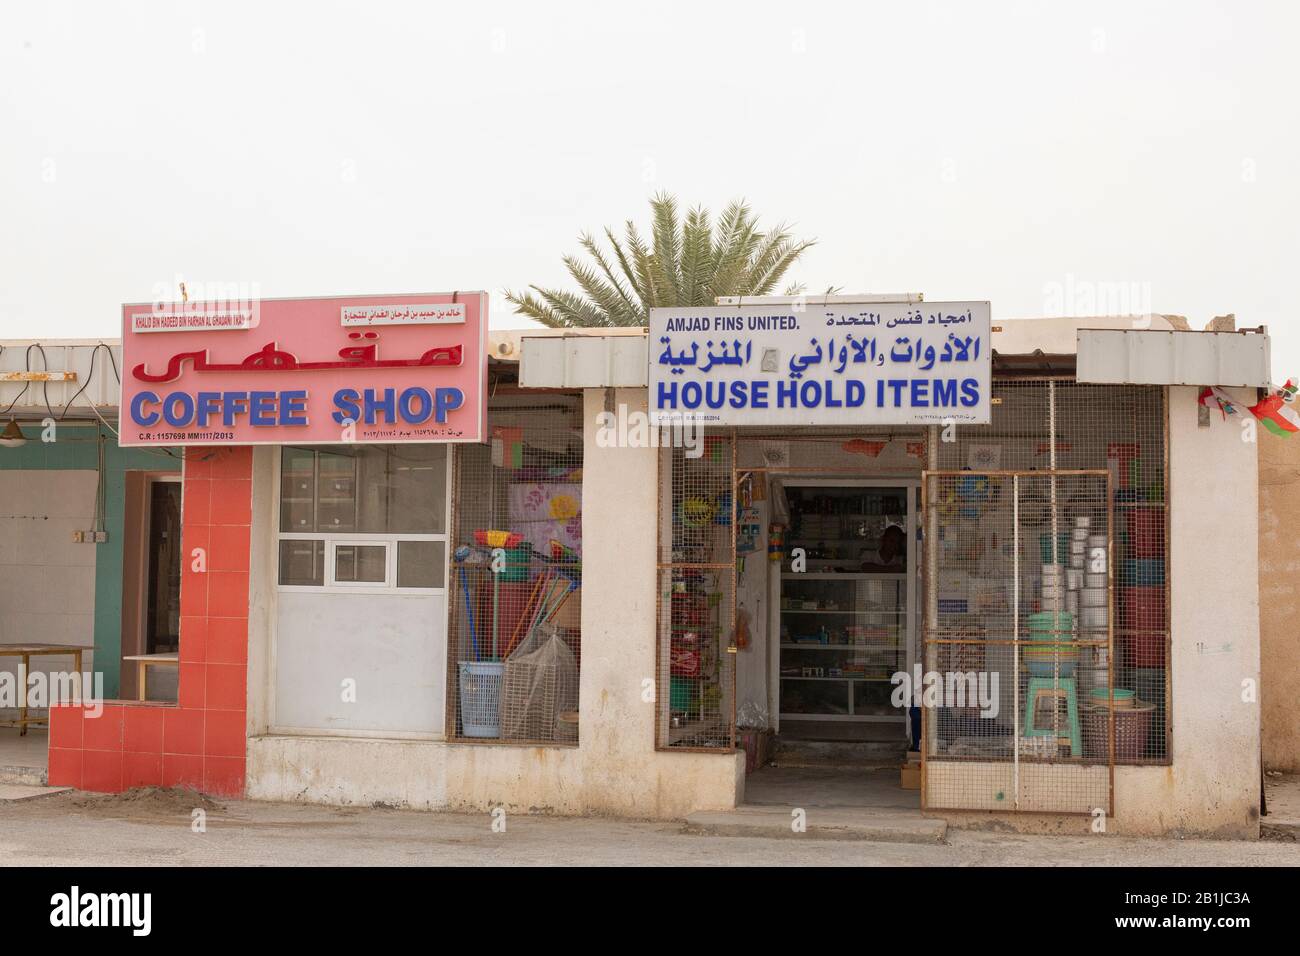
[155, 828]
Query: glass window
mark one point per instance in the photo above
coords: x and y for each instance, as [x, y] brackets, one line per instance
[417, 488]
[370, 490]
[302, 563]
[336, 489]
[421, 564]
[297, 490]
[361, 563]
[344, 498]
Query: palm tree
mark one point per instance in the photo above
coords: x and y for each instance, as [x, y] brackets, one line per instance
[692, 262]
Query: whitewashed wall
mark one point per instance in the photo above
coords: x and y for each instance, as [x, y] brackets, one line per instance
[47, 582]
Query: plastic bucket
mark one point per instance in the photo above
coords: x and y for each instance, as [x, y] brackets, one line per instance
[1062, 548]
[517, 565]
[1143, 572]
[1142, 612]
[1146, 532]
[480, 698]
[1050, 626]
[1049, 665]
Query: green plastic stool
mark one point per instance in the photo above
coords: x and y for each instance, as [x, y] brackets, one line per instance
[1060, 686]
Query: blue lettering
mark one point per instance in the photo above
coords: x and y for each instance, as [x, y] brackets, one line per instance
[207, 404]
[410, 400]
[138, 414]
[446, 400]
[970, 392]
[184, 416]
[261, 409]
[345, 400]
[387, 405]
[233, 403]
[293, 408]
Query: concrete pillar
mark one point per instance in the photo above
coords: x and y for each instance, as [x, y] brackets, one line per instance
[622, 772]
[1214, 620]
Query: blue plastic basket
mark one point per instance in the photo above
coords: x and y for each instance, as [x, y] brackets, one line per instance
[480, 698]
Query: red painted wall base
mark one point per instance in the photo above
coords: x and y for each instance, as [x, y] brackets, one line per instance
[199, 742]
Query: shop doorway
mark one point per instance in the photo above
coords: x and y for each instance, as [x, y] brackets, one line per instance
[837, 517]
[730, 519]
[845, 624]
[151, 605]
[361, 590]
[845, 609]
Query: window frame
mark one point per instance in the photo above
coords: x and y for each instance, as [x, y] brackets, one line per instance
[332, 539]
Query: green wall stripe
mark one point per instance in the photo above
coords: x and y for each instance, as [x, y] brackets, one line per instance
[75, 450]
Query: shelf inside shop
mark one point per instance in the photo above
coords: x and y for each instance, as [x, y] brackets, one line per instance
[841, 576]
[866, 680]
[695, 728]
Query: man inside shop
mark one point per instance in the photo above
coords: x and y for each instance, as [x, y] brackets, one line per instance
[891, 552]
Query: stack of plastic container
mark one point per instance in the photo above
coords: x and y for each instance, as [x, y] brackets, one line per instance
[1087, 598]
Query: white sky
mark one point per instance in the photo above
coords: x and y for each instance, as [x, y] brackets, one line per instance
[1052, 158]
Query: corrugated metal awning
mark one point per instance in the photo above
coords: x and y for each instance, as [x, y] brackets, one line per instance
[1150, 357]
[71, 374]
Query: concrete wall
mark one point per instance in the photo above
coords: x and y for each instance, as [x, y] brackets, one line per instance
[1212, 786]
[1214, 622]
[613, 770]
[1279, 599]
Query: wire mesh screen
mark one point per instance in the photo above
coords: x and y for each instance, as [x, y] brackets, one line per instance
[1038, 425]
[515, 648]
[1018, 694]
[696, 597]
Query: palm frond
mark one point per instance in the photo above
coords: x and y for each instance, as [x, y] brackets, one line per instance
[688, 261]
[668, 248]
[697, 259]
[604, 289]
[633, 279]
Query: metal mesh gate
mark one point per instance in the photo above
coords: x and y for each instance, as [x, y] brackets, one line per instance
[1016, 697]
[707, 533]
[515, 643]
[696, 597]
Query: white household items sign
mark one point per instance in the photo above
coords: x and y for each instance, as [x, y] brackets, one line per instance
[902, 363]
[356, 369]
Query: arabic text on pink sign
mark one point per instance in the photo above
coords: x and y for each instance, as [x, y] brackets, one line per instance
[300, 376]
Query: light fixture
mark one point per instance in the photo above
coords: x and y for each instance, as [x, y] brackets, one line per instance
[12, 436]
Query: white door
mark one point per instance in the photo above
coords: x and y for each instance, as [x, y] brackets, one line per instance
[361, 608]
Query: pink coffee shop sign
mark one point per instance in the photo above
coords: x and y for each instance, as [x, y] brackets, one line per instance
[352, 369]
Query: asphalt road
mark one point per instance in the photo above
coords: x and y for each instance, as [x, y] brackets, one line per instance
[161, 828]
